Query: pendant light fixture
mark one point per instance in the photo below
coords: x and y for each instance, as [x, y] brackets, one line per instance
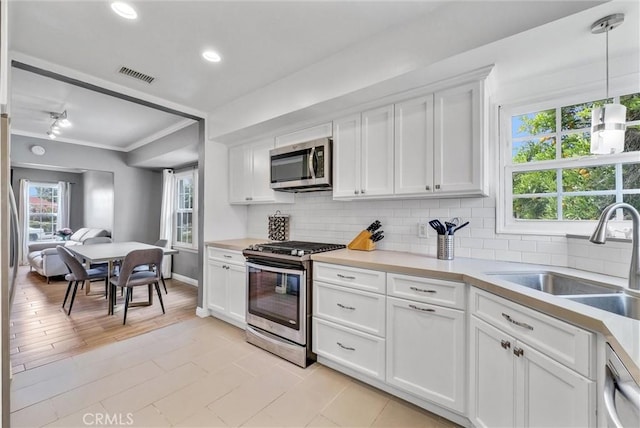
[608, 122]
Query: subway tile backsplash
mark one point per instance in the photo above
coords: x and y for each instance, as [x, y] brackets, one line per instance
[317, 217]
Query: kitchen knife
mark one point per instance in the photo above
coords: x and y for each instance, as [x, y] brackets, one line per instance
[377, 236]
[374, 226]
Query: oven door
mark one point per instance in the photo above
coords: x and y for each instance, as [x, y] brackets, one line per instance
[277, 297]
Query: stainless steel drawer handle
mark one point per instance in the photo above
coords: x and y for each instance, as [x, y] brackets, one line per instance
[505, 344]
[345, 277]
[518, 352]
[345, 347]
[422, 309]
[422, 290]
[351, 308]
[518, 323]
[227, 256]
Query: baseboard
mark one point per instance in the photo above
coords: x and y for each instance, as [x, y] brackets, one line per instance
[202, 312]
[184, 279]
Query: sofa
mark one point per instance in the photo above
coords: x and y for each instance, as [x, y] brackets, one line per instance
[43, 256]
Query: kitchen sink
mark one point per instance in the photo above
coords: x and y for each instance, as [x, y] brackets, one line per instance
[620, 304]
[554, 283]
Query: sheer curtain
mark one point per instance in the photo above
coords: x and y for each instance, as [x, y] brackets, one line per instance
[166, 216]
[64, 204]
[23, 220]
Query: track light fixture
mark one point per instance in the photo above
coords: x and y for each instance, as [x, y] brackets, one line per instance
[60, 120]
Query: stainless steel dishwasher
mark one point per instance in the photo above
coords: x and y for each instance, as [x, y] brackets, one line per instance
[621, 394]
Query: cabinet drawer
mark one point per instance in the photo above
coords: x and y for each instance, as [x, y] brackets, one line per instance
[564, 342]
[362, 279]
[435, 291]
[359, 351]
[353, 308]
[228, 256]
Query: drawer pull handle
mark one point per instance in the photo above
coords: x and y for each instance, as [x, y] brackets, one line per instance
[518, 323]
[345, 277]
[348, 348]
[505, 344]
[351, 308]
[518, 351]
[227, 256]
[422, 290]
[422, 309]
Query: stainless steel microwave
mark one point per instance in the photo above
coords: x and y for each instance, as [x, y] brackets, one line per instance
[302, 167]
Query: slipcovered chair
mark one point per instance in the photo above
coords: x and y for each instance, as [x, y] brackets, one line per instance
[77, 273]
[128, 278]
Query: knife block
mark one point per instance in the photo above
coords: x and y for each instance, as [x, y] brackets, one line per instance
[362, 242]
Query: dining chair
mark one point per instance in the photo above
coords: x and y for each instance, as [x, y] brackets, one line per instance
[78, 274]
[128, 278]
[159, 243]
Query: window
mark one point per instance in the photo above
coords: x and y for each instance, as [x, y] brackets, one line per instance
[185, 210]
[43, 209]
[551, 182]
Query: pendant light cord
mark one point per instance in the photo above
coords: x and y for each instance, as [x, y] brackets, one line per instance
[607, 61]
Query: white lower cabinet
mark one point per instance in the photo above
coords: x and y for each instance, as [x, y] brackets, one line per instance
[426, 351]
[512, 384]
[226, 288]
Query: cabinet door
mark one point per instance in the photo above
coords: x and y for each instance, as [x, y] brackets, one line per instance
[550, 394]
[414, 146]
[261, 171]
[376, 171]
[492, 376]
[346, 157]
[216, 286]
[426, 351]
[458, 154]
[239, 175]
[237, 292]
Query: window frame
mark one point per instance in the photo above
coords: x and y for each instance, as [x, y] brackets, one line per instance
[505, 222]
[51, 185]
[177, 177]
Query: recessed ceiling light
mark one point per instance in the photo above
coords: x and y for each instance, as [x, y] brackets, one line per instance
[124, 10]
[211, 56]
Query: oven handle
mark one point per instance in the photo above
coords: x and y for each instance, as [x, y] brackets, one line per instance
[277, 269]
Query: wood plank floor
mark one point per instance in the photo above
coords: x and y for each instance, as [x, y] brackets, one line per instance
[41, 331]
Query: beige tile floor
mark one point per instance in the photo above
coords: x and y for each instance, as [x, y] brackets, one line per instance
[200, 373]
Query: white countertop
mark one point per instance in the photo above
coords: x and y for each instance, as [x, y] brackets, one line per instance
[622, 333]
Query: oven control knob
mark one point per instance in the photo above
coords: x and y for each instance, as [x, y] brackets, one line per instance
[294, 252]
[300, 253]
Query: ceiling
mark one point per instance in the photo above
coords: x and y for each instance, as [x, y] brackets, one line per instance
[261, 44]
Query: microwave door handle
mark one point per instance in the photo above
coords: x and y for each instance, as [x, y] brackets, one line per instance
[312, 157]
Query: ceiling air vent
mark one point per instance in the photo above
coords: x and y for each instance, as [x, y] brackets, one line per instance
[136, 74]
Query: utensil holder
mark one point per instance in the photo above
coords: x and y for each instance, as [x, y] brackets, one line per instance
[278, 227]
[445, 247]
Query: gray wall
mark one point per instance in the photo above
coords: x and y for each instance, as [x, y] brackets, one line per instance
[76, 214]
[137, 192]
[98, 199]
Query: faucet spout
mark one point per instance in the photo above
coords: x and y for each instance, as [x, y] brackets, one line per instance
[599, 237]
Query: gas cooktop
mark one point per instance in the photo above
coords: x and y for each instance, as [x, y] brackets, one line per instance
[293, 248]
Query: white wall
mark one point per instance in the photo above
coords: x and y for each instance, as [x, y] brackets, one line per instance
[316, 217]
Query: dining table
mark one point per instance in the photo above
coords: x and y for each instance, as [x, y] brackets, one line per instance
[110, 253]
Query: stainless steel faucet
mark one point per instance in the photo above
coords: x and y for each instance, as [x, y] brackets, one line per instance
[599, 237]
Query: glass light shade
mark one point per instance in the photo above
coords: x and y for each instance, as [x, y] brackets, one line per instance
[65, 123]
[608, 124]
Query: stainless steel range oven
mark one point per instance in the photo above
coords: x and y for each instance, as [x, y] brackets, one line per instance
[279, 297]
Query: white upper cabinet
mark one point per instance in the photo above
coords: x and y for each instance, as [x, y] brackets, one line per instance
[439, 143]
[414, 146]
[250, 175]
[458, 145]
[306, 134]
[363, 154]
